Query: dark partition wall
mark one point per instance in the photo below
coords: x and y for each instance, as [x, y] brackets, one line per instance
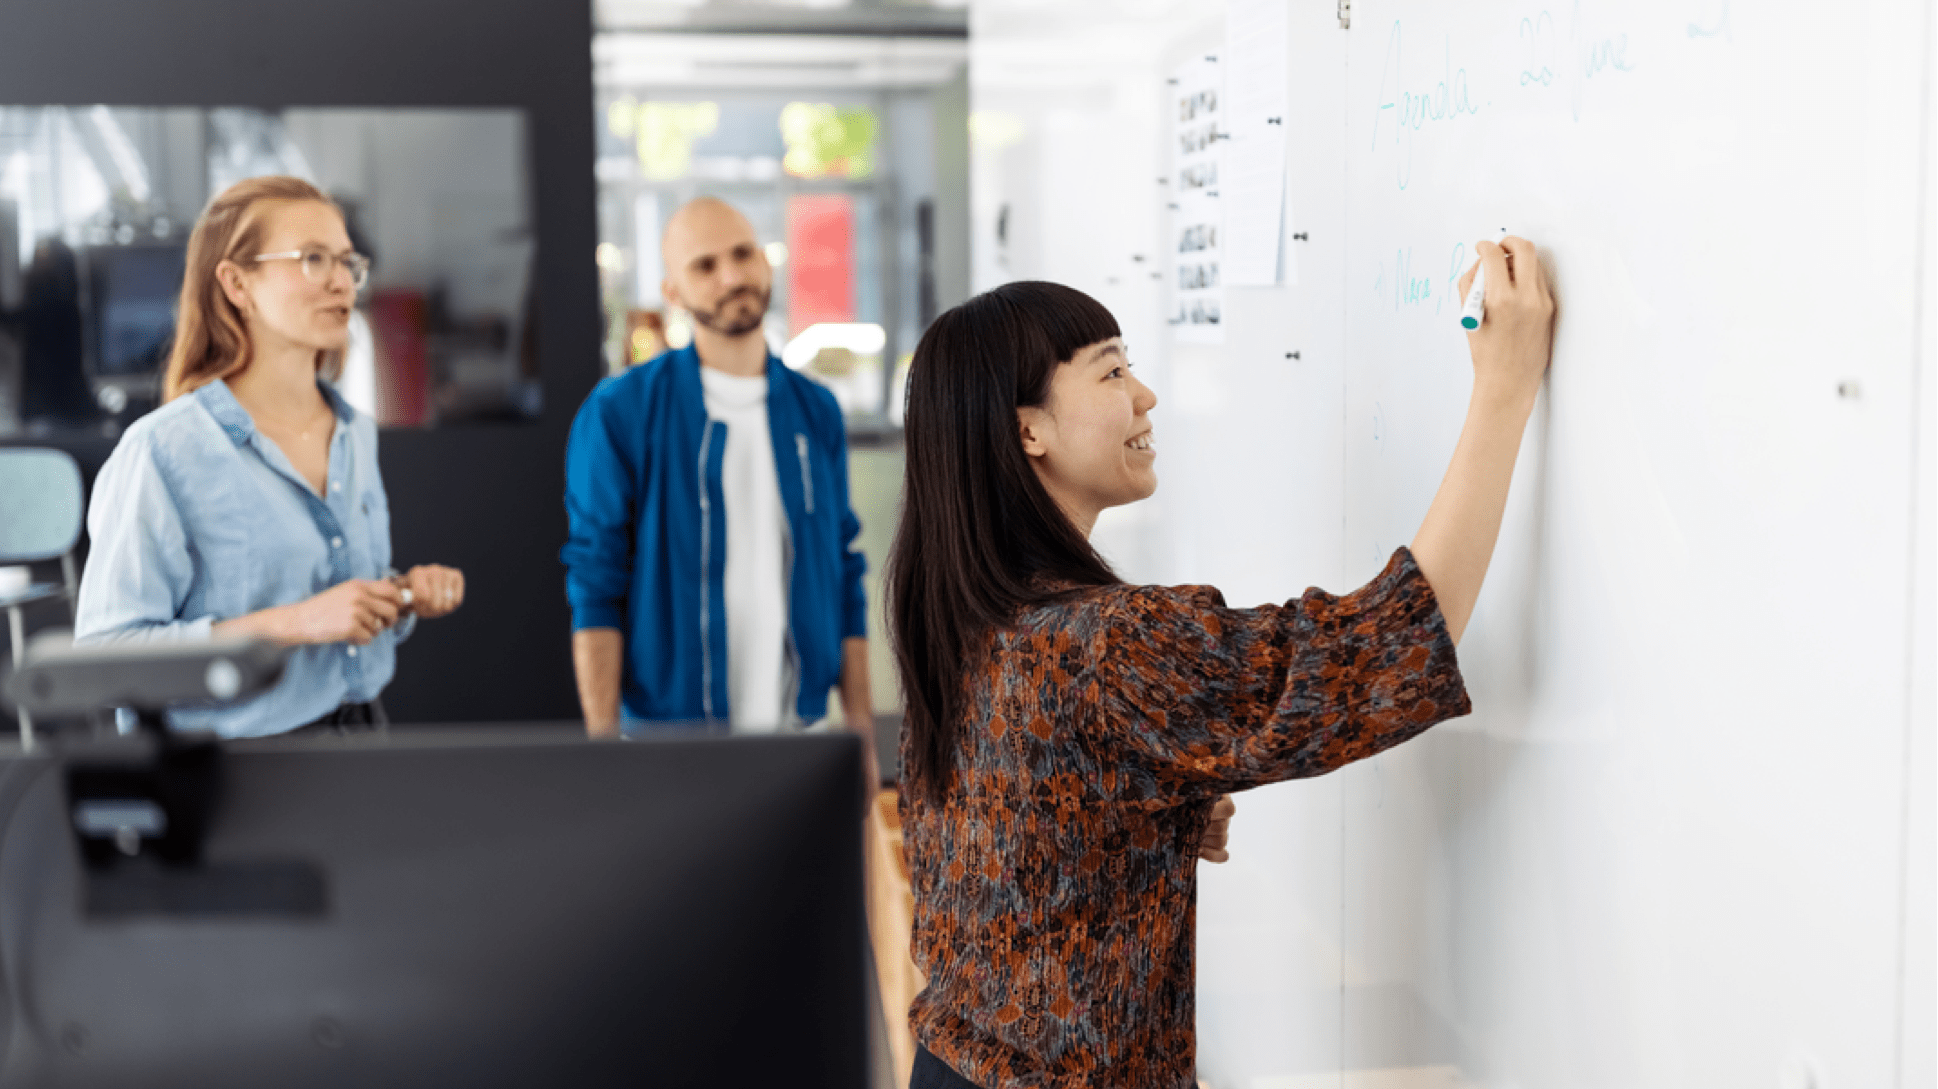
[485, 498]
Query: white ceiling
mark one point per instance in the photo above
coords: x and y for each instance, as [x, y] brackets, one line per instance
[644, 59]
[943, 17]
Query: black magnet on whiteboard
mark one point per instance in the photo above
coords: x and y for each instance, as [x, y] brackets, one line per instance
[1291, 355]
[1275, 121]
[1301, 237]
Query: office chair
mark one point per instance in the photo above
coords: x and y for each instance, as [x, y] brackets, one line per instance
[40, 519]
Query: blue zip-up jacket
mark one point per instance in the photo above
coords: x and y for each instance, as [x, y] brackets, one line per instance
[647, 552]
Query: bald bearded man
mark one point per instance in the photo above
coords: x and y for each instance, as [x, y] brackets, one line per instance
[711, 566]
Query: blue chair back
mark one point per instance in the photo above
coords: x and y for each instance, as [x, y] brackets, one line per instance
[40, 504]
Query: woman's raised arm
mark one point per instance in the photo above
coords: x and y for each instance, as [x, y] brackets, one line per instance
[1511, 351]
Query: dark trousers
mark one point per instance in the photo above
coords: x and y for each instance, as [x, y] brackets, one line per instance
[932, 1073]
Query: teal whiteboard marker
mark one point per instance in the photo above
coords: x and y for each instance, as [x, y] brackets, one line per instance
[1476, 307]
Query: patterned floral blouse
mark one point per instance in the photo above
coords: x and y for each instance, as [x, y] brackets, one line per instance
[1056, 890]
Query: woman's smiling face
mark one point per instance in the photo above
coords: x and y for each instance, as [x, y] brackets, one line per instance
[1090, 441]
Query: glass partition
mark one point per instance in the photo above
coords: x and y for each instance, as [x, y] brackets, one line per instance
[839, 187]
[96, 204]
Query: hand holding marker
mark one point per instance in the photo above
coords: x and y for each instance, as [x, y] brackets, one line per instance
[1476, 308]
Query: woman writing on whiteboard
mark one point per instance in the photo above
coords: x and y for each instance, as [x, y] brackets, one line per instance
[251, 502]
[1068, 735]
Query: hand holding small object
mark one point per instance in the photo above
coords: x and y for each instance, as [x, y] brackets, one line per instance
[353, 611]
[1514, 341]
[430, 590]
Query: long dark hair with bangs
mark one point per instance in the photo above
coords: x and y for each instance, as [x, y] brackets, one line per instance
[978, 529]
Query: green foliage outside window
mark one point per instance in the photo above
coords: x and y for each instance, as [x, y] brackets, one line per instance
[663, 132]
[825, 141]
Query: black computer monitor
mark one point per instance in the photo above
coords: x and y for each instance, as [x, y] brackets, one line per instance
[133, 291]
[450, 908]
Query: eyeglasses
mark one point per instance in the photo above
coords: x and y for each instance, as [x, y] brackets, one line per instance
[318, 266]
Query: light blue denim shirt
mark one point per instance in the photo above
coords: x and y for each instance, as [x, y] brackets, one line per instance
[197, 517]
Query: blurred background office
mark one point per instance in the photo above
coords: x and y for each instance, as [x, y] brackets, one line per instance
[840, 129]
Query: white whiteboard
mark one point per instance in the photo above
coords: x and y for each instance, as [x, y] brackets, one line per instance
[1670, 847]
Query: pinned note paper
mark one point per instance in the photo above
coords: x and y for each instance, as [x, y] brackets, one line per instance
[1255, 99]
[1197, 223]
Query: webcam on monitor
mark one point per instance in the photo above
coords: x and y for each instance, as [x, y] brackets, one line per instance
[63, 678]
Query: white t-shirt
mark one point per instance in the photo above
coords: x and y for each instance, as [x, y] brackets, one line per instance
[758, 680]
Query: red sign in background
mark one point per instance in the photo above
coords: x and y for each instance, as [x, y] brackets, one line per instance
[820, 260]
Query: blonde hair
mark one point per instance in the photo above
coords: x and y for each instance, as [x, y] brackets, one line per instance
[211, 338]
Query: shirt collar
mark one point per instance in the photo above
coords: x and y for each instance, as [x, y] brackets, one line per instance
[220, 402]
[337, 404]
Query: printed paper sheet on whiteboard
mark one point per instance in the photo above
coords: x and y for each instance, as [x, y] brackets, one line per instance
[1197, 314]
[1253, 190]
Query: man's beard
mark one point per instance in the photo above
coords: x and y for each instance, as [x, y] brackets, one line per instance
[742, 326]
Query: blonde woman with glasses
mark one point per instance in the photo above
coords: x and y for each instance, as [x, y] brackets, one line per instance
[251, 501]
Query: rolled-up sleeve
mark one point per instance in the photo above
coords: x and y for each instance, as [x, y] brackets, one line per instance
[1211, 699]
[140, 568]
[600, 511]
